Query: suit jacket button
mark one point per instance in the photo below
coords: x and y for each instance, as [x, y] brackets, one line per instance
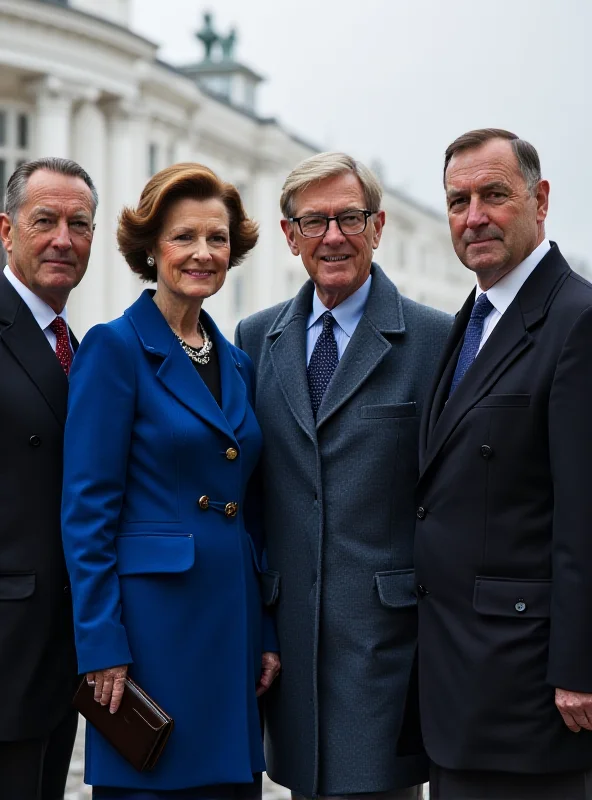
[486, 451]
[66, 589]
[421, 513]
[35, 440]
[231, 453]
[204, 502]
[520, 606]
[421, 590]
[231, 509]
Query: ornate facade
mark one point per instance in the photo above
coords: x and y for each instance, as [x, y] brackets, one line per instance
[76, 81]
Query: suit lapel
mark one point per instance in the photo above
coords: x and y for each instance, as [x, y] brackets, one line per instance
[288, 357]
[368, 347]
[73, 340]
[29, 346]
[366, 350]
[438, 391]
[510, 338]
[176, 372]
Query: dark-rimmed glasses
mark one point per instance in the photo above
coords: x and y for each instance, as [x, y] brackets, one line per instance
[349, 222]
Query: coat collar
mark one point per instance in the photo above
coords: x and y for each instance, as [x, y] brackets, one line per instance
[383, 316]
[28, 344]
[383, 308]
[510, 338]
[179, 375]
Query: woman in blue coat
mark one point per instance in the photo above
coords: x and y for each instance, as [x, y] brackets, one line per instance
[159, 510]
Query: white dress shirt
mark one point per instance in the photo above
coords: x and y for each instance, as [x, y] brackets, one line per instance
[44, 314]
[505, 290]
[346, 316]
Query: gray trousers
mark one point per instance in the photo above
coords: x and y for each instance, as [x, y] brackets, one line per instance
[410, 793]
[451, 784]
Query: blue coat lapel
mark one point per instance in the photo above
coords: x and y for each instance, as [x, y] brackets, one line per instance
[234, 390]
[178, 374]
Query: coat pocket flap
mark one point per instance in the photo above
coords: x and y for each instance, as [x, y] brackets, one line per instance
[391, 410]
[140, 553]
[16, 585]
[270, 586]
[509, 597]
[504, 401]
[396, 588]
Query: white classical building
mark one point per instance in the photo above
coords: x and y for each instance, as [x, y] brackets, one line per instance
[76, 81]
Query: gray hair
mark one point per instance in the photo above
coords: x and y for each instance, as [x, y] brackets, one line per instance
[526, 155]
[328, 165]
[16, 189]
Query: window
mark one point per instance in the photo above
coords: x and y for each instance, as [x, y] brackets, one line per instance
[238, 291]
[3, 180]
[152, 159]
[171, 154]
[402, 254]
[22, 132]
[14, 145]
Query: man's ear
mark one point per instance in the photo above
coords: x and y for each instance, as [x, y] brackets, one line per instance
[288, 229]
[6, 231]
[542, 198]
[379, 220]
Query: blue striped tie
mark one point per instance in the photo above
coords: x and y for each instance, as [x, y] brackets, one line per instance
[482, 308]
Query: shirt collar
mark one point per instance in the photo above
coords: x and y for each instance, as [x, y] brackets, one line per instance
[346, 314]
[505, 290]
[44, 314]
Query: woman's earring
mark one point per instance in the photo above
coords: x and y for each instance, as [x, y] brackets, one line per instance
[150, 261]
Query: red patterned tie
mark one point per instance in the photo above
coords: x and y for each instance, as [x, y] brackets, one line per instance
[63, 352]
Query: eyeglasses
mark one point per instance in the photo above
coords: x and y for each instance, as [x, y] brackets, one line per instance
[349, 222]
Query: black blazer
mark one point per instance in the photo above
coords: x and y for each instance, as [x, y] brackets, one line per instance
[504, 535]
[37, 659]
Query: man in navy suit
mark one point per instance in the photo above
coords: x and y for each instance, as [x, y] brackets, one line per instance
[503, 551]
[46, 232]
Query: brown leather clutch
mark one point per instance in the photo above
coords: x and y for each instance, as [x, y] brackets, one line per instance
[138, 730]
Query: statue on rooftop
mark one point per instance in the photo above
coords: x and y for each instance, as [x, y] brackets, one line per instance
[227, 43]
[208, 36]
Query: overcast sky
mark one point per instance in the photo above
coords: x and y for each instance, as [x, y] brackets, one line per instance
[395, 81]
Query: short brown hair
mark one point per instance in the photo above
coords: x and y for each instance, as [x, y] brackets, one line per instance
[526, 155]
[138, 228]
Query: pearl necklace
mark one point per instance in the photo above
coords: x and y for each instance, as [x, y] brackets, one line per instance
[200, 355]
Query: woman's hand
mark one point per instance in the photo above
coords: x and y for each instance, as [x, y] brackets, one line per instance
[109, 684]
[270, 667]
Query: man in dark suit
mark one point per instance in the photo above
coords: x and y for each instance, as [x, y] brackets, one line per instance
[46, 232]
[503, 549]
[341, 374]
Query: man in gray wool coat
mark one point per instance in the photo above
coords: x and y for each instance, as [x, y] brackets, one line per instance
[342, 370]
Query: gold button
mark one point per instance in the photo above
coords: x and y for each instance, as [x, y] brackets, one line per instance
[204, 502]
[231, 453]
[230, 509]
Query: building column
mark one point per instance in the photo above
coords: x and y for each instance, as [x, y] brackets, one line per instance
[127, 156]
[89, 300]
[53, 113]
[265, 267]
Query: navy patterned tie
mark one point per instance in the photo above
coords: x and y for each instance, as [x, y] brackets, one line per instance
[482, 308]
[322, 363]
